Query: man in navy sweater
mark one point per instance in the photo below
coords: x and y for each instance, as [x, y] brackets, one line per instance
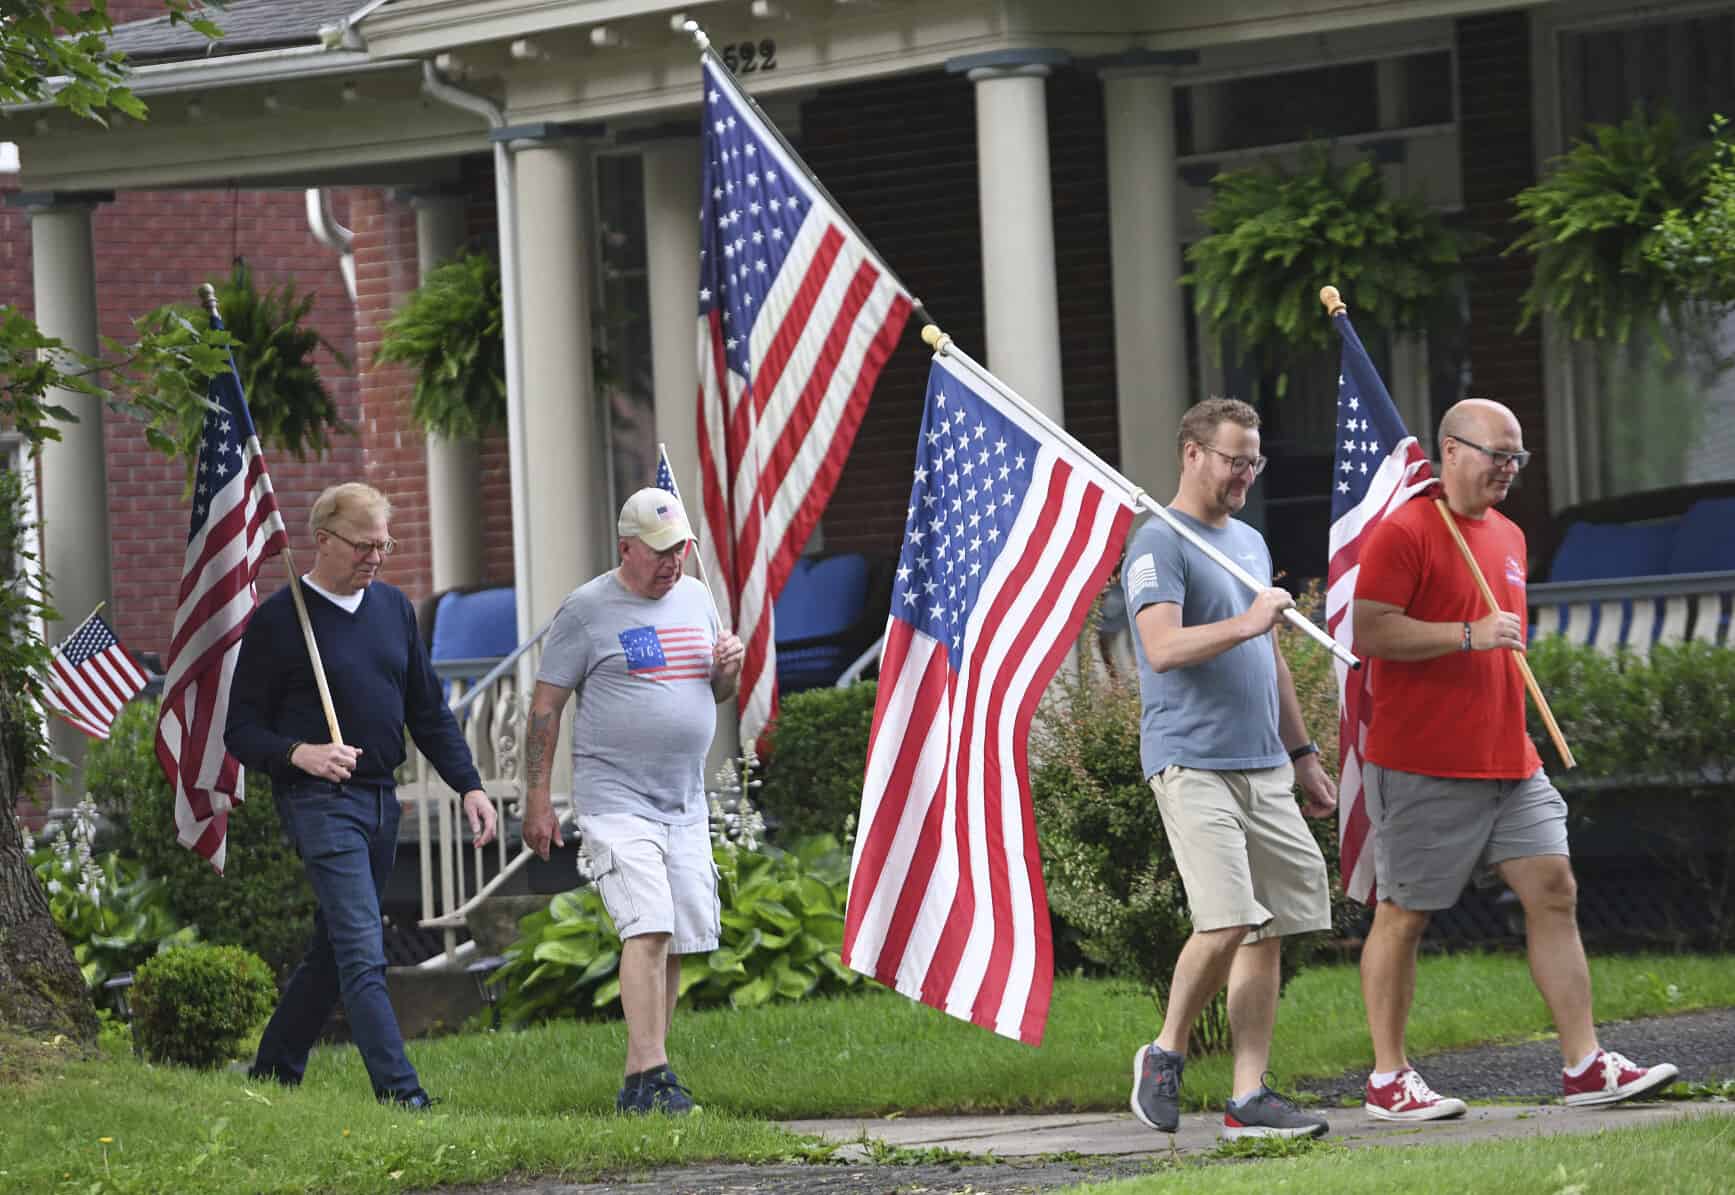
[339, 801]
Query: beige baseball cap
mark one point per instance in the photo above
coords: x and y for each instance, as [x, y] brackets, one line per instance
[656, 517]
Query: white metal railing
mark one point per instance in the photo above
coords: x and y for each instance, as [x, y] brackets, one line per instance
[491, 701]
[1635, 612]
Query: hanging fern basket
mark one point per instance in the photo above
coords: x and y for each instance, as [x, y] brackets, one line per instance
[450, 332]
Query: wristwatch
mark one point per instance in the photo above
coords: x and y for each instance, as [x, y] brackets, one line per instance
[1304, 749]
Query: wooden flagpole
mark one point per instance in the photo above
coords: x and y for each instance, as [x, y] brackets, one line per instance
[1518, 659]
[208, 296]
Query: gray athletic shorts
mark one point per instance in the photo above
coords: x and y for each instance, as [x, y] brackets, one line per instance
[1433, 833]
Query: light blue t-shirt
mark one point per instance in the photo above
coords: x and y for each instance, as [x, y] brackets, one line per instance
[645, 713]
[1222, 714]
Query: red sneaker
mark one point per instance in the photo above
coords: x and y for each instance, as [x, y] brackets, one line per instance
[1611, 1078]
[1408, 1097]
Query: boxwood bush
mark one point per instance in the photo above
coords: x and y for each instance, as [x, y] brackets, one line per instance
[194, 1005]
[812, 783]
[261, 902]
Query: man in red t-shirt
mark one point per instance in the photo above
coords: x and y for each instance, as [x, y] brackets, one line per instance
[1452, 782]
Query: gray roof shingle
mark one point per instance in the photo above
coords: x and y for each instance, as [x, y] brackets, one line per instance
[247, 25]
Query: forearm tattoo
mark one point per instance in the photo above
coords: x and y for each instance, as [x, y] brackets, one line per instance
[540, 738]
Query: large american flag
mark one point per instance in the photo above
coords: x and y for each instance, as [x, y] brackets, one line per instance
[1010, 535]
[1378, 467]
[796, 317]
[235, 528]
[91, 677]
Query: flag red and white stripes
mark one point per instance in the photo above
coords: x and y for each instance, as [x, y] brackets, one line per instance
[235, 528]
[1378, 467]
[1010, 536]
[91, 677]
[796, 318]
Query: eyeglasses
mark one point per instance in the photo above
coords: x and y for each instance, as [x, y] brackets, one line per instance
[366, 547]
[1239, 464]
[1500, 459]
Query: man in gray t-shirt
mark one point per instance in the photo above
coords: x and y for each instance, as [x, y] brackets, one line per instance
[1222, 742]
[641, 648]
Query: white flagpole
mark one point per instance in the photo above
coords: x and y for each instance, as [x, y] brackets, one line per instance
[943, 347]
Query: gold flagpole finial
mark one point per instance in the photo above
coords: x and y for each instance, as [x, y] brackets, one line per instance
[936, 339]
[1334, 304]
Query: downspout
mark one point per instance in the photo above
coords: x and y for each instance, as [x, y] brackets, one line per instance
[505, 202]
[334, 236]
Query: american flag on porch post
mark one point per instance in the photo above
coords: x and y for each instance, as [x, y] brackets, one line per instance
[1011, 532]
[1378, 467]
[797, 315]
[235, 528]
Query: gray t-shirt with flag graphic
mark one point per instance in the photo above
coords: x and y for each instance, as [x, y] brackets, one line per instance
[1222, 714]
[640, 669]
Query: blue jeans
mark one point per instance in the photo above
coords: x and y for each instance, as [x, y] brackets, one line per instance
[347, 838]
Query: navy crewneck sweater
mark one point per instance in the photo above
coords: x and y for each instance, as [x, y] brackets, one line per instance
[381, 680]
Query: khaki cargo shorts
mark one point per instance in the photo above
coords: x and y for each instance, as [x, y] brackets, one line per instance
[1244, 853]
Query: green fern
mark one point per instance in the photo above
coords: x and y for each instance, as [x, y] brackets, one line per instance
[274, 353]
[1276, 237]
[450, 331]
[1594, 228]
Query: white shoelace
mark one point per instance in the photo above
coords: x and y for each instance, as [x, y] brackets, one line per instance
[1417, 1091]
[1612, 1066]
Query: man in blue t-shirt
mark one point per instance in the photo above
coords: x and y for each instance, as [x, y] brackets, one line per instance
[1222, 744]
[338, 801]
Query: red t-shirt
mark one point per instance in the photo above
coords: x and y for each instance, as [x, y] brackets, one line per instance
[1460, 714]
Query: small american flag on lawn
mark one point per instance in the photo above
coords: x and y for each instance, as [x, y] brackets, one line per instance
[1009, 537]
[1378, 467]
[235, 528]
[92, 677]
[796, 317]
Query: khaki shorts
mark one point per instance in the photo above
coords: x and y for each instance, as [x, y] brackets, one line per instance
[1433, 834]
[1245, 855]
[655, 878]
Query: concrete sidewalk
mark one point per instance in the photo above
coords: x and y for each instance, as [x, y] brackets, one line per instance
[1119, 1135]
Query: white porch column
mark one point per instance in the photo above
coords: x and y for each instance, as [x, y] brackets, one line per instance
[569, 507]
[1150, 322]
[672, 171]
[1020, 296]
[454, 466]
[74, 470]
[672, 262]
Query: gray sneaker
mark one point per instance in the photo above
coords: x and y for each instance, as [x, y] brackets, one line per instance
[1156, 1098]
[1269, 1114]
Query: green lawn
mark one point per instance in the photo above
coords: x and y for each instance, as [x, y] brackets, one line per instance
[540, 1102]
[1685, 1158]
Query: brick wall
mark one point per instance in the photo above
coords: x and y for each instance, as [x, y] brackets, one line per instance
[394, 457]
[1498, 160]
[899, 155]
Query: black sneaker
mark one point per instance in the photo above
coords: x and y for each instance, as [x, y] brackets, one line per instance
[1267, 1113]
[655, 1090]
[414, 1101]
[1156, 1098]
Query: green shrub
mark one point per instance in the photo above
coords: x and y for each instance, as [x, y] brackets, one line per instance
[194, 1005]
[1655, 755]
[812, 784]
[261, 902]
[110, 912]
[782, 940]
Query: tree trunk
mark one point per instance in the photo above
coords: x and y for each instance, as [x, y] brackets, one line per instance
[41, 988]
